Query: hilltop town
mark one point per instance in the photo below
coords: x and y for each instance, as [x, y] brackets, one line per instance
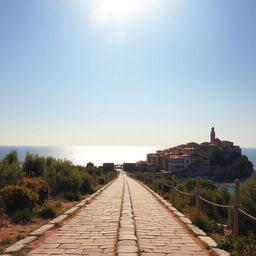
[217, 158]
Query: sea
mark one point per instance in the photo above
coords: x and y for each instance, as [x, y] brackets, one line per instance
[81, 155]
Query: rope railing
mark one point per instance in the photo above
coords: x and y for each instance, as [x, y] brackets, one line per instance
[235, 207]
[168, 186]
[184, 193]
[247, 214]
[215, 204]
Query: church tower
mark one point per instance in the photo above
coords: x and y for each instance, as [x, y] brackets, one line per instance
[212, 135]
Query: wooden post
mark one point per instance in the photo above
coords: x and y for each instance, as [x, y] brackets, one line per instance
[236, 206]
[162, 183]
[197, 192]
[173, 184]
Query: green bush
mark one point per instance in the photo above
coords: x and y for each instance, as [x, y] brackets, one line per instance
[101, 181]
[179, 202]
[13, 198]
[201, 220]
[22, 217]
[86, 186]
[248, 204]
[47, 212]
[242, 246]
[72, 196]
[34, 165]
[9, 174]
[63, 177]
[37, 185]
[11, 158]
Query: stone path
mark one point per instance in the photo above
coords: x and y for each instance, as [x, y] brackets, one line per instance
[157, 230]
[124, 220]
[93, 231]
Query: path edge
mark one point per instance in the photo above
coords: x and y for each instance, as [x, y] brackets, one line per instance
[208, 242]
[21, 244]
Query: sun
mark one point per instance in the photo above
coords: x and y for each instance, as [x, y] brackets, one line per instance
[119, 11]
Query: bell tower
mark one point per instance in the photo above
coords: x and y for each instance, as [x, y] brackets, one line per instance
[212, 135]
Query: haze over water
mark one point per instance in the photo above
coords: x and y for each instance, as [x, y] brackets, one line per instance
[81, 155]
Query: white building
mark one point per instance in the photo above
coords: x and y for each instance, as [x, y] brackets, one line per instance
[178, 162]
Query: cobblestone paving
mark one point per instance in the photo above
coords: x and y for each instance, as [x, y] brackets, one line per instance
[146, 227]
[93, 231]
[157, 230]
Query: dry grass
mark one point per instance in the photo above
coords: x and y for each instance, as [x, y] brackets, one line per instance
[11, 233]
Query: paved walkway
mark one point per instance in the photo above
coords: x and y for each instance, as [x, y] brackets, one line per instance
[158, 232]
[123, 220]
[93, 231]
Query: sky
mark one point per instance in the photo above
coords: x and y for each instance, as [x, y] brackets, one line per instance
[118, 72]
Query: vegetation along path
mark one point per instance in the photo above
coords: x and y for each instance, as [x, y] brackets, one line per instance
[125, 219]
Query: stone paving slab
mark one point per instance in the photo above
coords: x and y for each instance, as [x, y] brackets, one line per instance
[208, 241]
[219, 252]
[41, 230]
[158, 232]
[20, 244]
[93, 231]
[144, 227]
[72, 210]
[58, 219]
[196, 230]
[127, 240]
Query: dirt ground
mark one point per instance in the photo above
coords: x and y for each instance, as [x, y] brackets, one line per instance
[10, 233]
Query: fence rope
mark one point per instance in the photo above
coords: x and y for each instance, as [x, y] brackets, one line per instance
[184, 193]
[181, 192]
[215, 204]
[167, 185]
[247, 214]
[212, 203]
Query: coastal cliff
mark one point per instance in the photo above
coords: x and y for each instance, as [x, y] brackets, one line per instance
[216, 159]
[223, 165]
[230, 165]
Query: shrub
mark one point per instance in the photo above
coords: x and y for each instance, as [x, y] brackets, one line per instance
[9, 174]
[248, 204]
[179, 202]
[37, 185]
[242, 246]
[34, 165]
[11, 158]
[47, 212]
[101, 181]
[202, 221]
[89, 165]
[63, 177]
[86, 186]
[13, 198]
[72, 196]
[22, 217]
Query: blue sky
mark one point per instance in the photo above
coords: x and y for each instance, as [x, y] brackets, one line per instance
[149, 73]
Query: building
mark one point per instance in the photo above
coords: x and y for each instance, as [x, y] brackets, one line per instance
[194, 155]
[129, 167]
[107, 167]
[212, 136]
[178, 162]
[144, 166]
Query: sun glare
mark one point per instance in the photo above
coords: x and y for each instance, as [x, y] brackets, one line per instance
[119, 11]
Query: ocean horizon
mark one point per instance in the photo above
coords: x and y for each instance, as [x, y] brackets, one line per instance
[81, 155]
